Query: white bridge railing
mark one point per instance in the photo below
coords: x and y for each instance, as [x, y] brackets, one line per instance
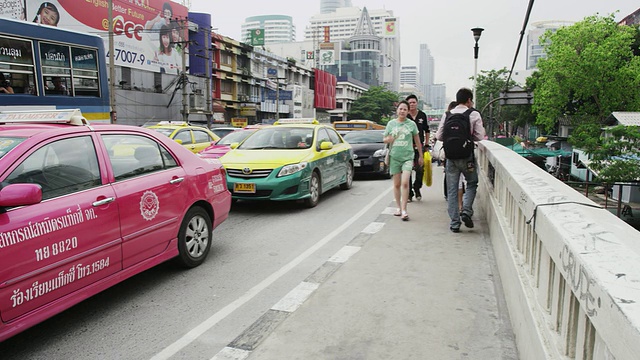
[570, 270]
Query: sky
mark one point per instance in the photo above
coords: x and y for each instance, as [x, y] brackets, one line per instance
[445, 26]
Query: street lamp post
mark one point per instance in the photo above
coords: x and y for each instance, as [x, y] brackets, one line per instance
[476, 36]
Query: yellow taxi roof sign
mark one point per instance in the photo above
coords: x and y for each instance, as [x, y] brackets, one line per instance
[288, 121]
[174, 123]
[64, 116]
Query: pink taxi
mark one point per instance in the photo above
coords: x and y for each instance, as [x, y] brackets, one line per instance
[83, 207]
[222, 146]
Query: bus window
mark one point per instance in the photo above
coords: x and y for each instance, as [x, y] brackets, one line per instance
[357, 125]
[16, 63]
[54, 73]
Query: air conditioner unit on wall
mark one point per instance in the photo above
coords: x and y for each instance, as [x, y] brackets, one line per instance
[196, 101]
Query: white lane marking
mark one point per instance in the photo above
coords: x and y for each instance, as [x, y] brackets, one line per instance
[201, 328]
[292, 301]
[229, 353]
[373, 228]
[344, 254]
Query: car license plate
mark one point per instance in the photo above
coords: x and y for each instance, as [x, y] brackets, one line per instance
[356, 162]
[249, 188]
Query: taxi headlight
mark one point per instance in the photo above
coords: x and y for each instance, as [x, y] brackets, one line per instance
[292, 169]
[380, 153]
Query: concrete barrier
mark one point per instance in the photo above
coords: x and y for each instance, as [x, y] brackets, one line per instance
[570, 270]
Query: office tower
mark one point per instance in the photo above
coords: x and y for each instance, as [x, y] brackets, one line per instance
[328, 6]
[277, 28]
[535, 49]
[426, 71]
[342, 25]
[409, 75]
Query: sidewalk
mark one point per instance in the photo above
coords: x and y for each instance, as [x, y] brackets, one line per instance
[412, 290]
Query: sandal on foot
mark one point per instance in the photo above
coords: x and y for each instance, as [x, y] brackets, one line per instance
[405, 216]
[397, 213]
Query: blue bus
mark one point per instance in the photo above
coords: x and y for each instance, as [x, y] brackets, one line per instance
[52, 68]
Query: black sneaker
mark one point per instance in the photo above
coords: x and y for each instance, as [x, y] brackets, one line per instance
[455, 230]
[466, 219]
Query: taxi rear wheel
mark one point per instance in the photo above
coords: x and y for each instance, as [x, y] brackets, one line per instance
[349, 182]
[194, 238]
[314, 190]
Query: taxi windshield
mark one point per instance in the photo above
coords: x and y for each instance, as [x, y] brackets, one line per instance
[8, 143]
[235, 137]
[279, 138]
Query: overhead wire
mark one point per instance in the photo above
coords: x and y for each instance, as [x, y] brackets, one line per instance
[522, 32]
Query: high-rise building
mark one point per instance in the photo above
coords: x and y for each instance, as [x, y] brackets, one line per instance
[342, 25]
[409, 75]
[277, 28]
[426, 70]
[437, 97]
[358, 57]
[535, 50]
[328, 6]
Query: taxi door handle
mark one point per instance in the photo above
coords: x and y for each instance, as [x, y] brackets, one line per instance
[176, 181]
[104, 201]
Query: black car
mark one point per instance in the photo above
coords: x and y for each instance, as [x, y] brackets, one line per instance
[368, 151]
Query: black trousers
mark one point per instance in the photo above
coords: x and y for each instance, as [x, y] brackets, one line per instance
[416, 185]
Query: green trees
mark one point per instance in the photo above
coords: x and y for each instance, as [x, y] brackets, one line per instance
[489, 86]
[375, 104]
[593, 69]
[615, 156]
[590, 71]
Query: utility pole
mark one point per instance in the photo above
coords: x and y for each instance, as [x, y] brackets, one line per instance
[277, 98]
[112, 67]
[207, 71]
[185, 79]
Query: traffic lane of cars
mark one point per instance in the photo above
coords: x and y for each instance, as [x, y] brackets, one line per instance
[83, 208]
[139, 317]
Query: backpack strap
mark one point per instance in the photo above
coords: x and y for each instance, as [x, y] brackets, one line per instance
[467, 114]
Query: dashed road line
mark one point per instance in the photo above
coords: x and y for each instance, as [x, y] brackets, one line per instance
[214, 319]
[261, 328]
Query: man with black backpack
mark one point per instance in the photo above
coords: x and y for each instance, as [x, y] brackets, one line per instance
[458, 129]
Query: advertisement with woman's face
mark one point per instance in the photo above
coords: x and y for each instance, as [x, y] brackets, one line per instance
[136, 25]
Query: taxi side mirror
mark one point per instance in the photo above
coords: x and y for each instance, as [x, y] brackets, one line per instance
[326, 145]
[20, 195]
[178, 141]
[234, 145]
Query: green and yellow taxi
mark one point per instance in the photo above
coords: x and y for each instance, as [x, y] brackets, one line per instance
[194, 138]
[296, 159]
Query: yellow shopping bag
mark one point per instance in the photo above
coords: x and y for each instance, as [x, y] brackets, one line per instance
[427, 177]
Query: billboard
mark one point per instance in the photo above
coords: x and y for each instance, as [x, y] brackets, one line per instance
[148, 34]
[327, 57]
[257, 37]
[390, 27]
